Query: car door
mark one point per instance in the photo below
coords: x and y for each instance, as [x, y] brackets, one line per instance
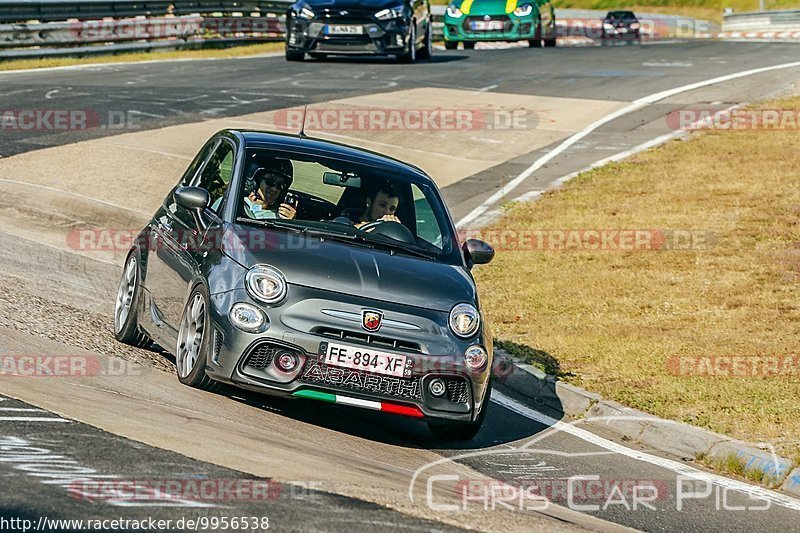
[180, 241]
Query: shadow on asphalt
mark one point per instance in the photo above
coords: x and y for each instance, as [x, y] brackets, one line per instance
[377, 60]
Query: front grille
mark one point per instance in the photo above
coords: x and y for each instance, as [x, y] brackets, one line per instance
[261, 356]
[369, 339]
[467, 25]
[457, 390]
[356, 380]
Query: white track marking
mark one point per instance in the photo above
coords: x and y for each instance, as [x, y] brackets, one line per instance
[128, 63]
[633, 106]
[22, 409]
[531, 195]
[61, 191]
[30, 419]
[674, 466]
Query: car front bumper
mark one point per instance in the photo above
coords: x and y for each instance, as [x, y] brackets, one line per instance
[310, 36]
[247, 360]
[514, 28]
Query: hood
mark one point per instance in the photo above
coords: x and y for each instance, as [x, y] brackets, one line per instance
[354, 270]
[493, 7]
[375, 5]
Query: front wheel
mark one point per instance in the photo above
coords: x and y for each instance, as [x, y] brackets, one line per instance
[126, 305]
[451, 45]
[410, 54]
[469, 45]
[550, 43]
[426, 52]
[463, 431]
[194, 342]
[292, 55]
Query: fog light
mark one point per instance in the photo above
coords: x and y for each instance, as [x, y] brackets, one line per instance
[475, 357]
[437, 387]
[247, 317]
[399, 40]
[287, 362]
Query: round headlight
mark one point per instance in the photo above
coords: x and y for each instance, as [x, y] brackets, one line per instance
[523, 10]
[464, 320]
[247, 317]
[454, 11]
[266, 284]
[475, 357]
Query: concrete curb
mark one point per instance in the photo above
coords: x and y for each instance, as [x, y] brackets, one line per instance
[686, 441]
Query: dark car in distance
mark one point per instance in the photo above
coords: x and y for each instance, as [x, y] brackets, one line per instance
[310, 269]
[621, 25]
[401, 28]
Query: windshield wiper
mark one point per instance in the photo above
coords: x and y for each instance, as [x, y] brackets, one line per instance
[270, 222]
[397, 248]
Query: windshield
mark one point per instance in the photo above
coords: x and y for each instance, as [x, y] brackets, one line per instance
[621, 15]
[350, 202]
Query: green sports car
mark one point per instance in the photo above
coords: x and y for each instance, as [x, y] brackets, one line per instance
[470, 21]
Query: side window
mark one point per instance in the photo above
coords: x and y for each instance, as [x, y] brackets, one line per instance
[216, 176]
[427, 226]
[201, 157]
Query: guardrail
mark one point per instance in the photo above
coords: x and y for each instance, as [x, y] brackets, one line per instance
[40, 28]
[62, 10]
[758, 21]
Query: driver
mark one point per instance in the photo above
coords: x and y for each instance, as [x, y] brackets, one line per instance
[381, 206]
[271, 185]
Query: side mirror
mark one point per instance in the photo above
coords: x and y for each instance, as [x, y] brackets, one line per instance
[195, 199]
[477, 252]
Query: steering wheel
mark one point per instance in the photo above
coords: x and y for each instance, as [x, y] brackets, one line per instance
[390, 228]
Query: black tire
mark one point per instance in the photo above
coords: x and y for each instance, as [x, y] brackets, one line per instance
[292, 55]
[451, 45]
[187, 341]
[550, 43]
[426, 52]
[410, 55]
[126, 306]
[536, 42]
[469, 45]
[463, 431]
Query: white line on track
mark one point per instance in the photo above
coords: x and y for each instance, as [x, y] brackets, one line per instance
[674, 466]
[30, 419]
[126, 63]
[633, 106]
[22, 409]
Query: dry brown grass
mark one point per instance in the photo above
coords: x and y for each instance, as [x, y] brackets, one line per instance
[236, 51]
[614, 319]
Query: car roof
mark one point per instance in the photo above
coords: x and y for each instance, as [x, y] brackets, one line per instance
[309, 145]
[620, 14]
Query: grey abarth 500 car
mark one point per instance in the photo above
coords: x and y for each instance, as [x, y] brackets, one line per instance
[306, 268]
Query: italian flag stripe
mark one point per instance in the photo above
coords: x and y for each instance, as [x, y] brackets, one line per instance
[407, 410]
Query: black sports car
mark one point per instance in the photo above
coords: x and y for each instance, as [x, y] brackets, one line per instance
[306, 268]
[359, 27]
[621, 25]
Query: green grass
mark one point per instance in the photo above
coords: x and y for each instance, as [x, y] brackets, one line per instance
[612, 321]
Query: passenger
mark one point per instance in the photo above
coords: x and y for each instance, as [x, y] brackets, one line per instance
[381, 206]
[271, 186]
